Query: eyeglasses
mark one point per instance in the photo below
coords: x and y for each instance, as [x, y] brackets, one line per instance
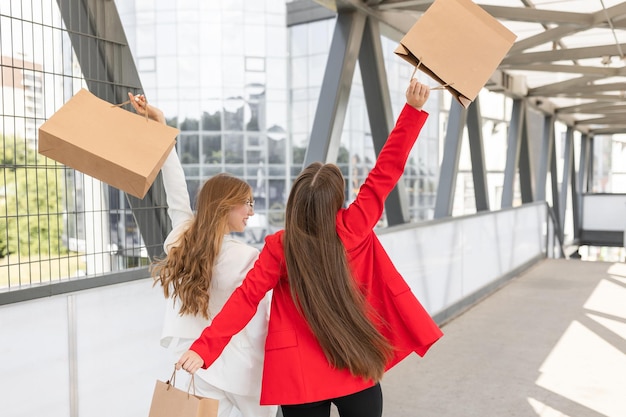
[250, 203]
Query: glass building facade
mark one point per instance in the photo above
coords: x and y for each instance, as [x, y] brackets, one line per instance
[219, 71]
[243, 89]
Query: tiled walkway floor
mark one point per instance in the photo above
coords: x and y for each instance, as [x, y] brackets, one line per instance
[551, 343]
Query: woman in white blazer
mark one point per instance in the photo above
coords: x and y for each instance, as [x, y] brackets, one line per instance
[204, 264]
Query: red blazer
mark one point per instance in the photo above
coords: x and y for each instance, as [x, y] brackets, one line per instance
[295, 369]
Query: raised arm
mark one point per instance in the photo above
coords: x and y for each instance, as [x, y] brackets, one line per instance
[363, 214]
[179, 208]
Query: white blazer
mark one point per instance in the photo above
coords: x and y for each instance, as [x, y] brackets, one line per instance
[239, 367]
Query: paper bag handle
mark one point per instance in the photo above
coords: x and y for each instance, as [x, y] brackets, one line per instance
[440, 87]
[128, 102]
[172, 382]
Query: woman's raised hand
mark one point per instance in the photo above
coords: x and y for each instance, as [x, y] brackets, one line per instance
[417, 94]
[142, 107]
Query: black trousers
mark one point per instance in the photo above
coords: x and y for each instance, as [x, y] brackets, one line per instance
[366, 403]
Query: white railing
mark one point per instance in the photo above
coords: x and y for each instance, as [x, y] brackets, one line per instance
[603, 220]
[453, 262]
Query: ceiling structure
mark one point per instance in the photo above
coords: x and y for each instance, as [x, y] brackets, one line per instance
[569, 58]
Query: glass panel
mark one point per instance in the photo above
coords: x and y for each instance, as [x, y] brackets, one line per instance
[189, 124]
[209, 171]
[254, 156]
[191, 171]
[276, 74]
[193, 187]
[276, 203]
[167, 72]
[189, 74]
[237, 170]
[233, 148]
[188, 33]
[299, 72]
[164, 37]
[255, 93]
[255, 64]
[319, 36]
[602, 147]
[233, 113]
[254, 36]
[211, 121]
[212, 149]
[232, 39]
[188, 148]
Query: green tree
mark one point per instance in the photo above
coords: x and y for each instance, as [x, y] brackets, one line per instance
[31, 220]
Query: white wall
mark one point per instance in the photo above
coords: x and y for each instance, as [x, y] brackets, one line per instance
[444, 262]
[101, 345]
[604, 212]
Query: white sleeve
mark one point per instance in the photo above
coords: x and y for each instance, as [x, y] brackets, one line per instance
[179, 207]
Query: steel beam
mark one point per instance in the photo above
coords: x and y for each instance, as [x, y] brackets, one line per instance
[562, 54]
[590, 159]
[333, 101]
[512, 152]
[554, 182]
[380, 112]
[547, 141]
[578, 181]
[477, 155]
[524, 167]
[449, 170]
[98, 39]
[307, 11]
[568, 162]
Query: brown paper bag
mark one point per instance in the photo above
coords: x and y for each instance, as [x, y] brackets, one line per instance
[169, 401]
[458, 44]
[111, 144]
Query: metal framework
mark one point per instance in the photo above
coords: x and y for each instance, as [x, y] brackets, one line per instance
[449, 170]
[477, 154]
[356, 37]
[605, 99]
[99, 44]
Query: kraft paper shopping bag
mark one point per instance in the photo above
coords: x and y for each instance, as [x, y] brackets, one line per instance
[169, 401]
[111, 144]
[458, 44]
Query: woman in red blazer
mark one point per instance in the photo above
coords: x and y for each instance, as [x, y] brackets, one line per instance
[341, 314]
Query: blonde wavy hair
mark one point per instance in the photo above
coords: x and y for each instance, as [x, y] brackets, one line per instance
[187, 270]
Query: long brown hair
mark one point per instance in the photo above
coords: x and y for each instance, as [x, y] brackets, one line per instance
[186, 272]
[319, 275]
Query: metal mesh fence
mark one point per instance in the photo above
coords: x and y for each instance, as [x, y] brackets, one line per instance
[57, 224]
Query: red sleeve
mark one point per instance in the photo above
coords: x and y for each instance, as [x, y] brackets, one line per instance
[242, 304]
[363, 214]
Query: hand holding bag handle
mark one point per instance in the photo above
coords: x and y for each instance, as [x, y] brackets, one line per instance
[168, 400]
[171, 383]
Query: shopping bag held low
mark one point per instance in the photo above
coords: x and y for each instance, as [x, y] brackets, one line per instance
[169, 401]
